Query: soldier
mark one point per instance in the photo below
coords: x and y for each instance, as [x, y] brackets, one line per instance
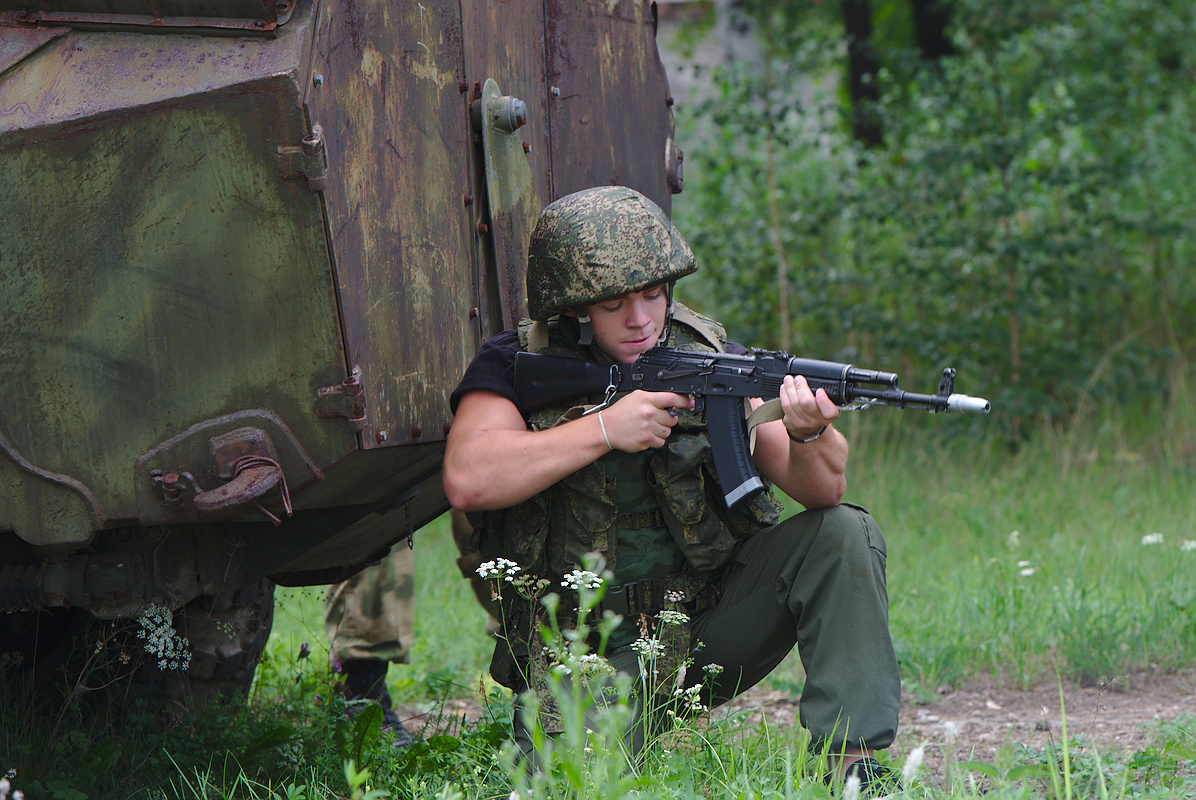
[370, 622]
[635, 482]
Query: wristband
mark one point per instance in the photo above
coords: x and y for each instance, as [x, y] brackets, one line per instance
[808, 439]
[602, 425]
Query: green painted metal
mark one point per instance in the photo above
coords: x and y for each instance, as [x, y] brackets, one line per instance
[205, 236]
[156, 271]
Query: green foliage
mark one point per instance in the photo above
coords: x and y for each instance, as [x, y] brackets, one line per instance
[1029, 220]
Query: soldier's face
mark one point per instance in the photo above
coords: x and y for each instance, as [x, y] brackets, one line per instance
[628, 326]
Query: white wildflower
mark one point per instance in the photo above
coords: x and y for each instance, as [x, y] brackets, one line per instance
[648, 648]
[692, 698]
[1188, 545]
[674, 596]
[851, 789]
[162, 640]
[581, 579]
[1152, 538]
[1013, 539]
[713, 669]
[595, 666]
[499, 567]
[673, 617]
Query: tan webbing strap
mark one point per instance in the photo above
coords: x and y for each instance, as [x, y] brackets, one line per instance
[683, 314]
[574, 413]
[537, 337]
[767, 411]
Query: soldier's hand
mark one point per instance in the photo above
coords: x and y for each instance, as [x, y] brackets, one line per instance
[642, 419]
[806, 412]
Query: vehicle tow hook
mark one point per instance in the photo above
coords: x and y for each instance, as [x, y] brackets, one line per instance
[252, 477]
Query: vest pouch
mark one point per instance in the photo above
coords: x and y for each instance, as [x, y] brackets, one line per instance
[524, 534]
[762, 511]
[679, 484]
[585, 500]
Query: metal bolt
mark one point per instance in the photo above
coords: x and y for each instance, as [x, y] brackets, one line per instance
[527, 148]
[317, 79]
[259, 23]
[23, 14]
[473, 312]
[556, 91]
[483, 228]
[468, 200]
[381, 435]
[668, 101]
[416, 432]
[462, 87]
[508, 113]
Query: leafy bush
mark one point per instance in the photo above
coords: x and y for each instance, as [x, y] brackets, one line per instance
[1028, 221]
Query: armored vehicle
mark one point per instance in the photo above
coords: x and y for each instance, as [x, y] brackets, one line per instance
[248, 248]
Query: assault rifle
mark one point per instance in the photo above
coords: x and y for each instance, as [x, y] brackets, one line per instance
[718, 383]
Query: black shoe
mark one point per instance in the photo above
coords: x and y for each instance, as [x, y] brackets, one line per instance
[365, 679]
[876, 780]
[392, 723]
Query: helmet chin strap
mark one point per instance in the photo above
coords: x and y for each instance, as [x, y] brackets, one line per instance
[668, 316]
[586, 333]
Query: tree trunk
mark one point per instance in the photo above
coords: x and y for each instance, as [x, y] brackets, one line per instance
[862, 68]
[931, 18]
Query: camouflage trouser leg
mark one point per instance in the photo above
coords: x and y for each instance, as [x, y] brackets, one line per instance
[372, 614]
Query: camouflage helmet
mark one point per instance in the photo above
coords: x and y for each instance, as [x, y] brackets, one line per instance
[598, 244]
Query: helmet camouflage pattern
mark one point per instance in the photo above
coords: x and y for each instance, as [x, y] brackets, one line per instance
[598, 244]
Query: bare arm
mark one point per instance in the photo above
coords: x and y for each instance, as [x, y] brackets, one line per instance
[493, 461]
[813, 473]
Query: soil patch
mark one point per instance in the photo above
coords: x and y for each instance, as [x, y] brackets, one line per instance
[979, 719]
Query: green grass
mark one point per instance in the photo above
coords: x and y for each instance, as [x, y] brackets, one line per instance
[1016, 565]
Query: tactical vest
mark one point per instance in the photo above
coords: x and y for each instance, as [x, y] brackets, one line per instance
[549, 534]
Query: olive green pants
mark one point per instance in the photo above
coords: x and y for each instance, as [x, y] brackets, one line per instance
[816, 580]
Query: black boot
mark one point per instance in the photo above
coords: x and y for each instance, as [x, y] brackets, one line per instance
[365, 679]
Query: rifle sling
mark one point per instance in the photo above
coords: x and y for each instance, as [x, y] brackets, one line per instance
[768, 411]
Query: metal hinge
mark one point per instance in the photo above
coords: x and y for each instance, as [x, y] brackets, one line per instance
[307, 160]
[344, 399]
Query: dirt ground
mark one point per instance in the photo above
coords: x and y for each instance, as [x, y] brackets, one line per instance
[980, 718]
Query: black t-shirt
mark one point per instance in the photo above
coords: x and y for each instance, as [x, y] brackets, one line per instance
[493, 368]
